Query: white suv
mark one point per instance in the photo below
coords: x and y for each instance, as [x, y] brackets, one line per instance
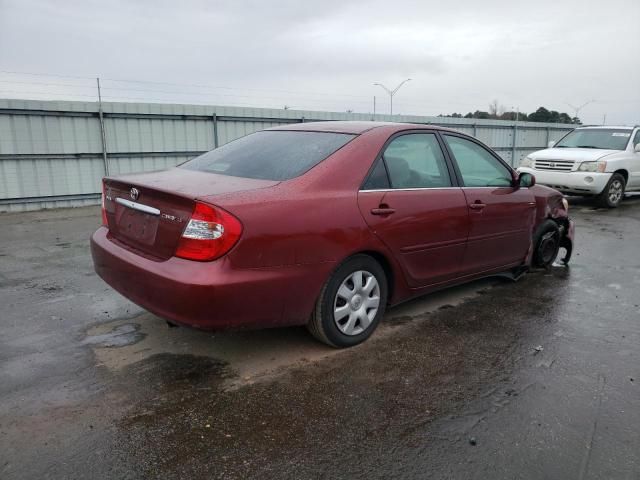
[597, 161]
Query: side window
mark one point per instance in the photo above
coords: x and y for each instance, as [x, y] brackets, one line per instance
[636, 139]
[478, 167]
[416, 161]
[378, 179]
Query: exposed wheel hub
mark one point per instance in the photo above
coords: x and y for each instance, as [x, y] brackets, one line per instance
[548, 247]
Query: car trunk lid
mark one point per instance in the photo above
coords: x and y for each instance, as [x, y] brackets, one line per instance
[148, 212]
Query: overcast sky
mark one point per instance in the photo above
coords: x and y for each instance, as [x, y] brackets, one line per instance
[326, 55]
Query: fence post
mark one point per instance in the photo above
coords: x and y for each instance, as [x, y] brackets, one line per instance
[546, 145]
[103, 135]
[215, 130]
[513, 144]
[475, 130]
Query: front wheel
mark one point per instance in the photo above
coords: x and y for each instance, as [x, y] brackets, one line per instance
[613, 193]
[351, 303]
[546, 243]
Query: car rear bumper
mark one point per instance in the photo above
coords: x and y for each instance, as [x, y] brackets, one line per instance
[209, 295]
[585, 183]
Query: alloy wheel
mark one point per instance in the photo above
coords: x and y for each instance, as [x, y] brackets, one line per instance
[615, 191]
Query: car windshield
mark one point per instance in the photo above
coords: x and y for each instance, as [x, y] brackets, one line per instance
[605, 138]
[270, 155]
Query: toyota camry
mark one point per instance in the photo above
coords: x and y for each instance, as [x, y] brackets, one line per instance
[322, 224]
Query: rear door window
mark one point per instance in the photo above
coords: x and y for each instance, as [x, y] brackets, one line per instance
[416, 161]
[270, 155]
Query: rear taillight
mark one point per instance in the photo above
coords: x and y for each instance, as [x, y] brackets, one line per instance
[210, 233]
[104, 210]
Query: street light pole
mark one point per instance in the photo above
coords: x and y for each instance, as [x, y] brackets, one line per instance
[392, 92]
[577, 109]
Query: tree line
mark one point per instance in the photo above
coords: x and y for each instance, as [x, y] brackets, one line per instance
[497, 112]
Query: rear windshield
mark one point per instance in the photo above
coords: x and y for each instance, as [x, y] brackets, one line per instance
[270, 155]
[605, 138]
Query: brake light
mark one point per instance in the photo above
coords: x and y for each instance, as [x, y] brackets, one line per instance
[210, 233]
[104, 210]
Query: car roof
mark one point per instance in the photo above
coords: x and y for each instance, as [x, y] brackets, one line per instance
[352, 127]
[606, 127]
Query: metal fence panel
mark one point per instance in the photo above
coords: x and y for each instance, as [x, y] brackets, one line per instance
[49, 176]
[31, 134]
[230, 131]
[125, 165]
[51, 151]
[157, 135]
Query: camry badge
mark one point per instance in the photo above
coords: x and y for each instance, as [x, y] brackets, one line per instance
[134, 193]
[171, 218]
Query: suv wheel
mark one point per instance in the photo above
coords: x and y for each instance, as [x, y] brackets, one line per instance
[351, 303]
[613, 193]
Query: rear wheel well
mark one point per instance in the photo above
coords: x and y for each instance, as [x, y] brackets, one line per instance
[624, 173]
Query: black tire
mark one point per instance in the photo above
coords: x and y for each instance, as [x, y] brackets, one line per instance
[546, 244]
[613, 193]
[322, 324]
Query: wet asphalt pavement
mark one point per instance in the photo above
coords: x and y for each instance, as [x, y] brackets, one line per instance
[537, 379]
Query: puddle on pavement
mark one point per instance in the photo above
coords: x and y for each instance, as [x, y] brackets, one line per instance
[119, 336]
[253, 355]
[169, 379]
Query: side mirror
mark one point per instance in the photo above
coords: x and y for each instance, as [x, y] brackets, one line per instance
[637, 148]
[551, 144]
[526, 180]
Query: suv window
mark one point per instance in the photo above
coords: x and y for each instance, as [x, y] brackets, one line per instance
[636, 139]
[605, 138]
[270, 155]
[479, 168]
[416, 161]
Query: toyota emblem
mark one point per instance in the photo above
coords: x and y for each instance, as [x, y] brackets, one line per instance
[134, 193]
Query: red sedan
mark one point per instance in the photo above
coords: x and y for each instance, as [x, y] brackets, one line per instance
[323, 224]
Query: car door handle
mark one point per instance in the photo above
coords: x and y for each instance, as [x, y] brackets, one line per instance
[382, 211]
[477, 206]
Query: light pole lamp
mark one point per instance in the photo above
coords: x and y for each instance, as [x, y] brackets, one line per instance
[579, 107]
[392, 92]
